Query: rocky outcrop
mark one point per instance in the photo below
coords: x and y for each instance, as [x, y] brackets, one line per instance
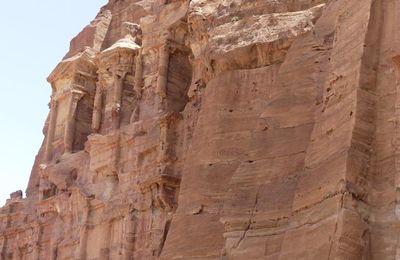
[219, 129]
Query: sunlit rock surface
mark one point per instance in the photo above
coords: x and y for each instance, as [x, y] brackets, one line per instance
[219, 129]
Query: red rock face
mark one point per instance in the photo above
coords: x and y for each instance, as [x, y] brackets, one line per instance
[219, 130]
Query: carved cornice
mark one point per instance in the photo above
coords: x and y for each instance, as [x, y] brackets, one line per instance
[127, 43]
[119, 59]
[115, 54]
[77, 94]
[81, 64]
[163, 179]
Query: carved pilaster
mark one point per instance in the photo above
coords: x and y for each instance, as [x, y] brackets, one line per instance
[166, 125]
[130, 233]
[104, 254]
[105, 250]
[53, 253]
[69, 133]
[163, 152]
[37, 238]
[97, 108]
[162, 79]
[138, 73]
[4, 244]
[17, 254]
[51, 130]
[83, 234]
[138, 85]
[117, 99]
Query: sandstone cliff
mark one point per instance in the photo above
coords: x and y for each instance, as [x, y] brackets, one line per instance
[219, 129]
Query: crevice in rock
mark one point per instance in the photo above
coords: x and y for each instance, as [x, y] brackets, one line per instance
[253, 211]
[164, 238]
[333, 236]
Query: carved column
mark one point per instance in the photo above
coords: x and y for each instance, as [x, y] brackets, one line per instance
[3, 251]
[137, 88]
[105, 250]
[97, 108]
[51, 130]
[162, 79]
[83, 234]
[53, 253]
[129, 239]
[163, 152]
[104, 254]
[116, 110]
[17, 254]
[69, 133]
[138, 72]
[37, 239]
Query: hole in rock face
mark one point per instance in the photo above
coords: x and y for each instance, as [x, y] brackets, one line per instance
[265, 128]
[74, 175]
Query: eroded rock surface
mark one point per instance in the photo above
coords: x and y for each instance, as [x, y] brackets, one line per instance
[219, 129]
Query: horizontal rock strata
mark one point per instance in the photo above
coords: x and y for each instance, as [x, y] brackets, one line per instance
[219, 129]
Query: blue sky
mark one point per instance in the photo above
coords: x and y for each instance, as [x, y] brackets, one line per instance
[35, 35]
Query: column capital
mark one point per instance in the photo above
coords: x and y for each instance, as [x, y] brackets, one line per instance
[166, 46]
[77, 94]
[53, 103]
[120, 73]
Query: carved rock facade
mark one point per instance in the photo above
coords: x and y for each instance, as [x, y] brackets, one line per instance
[219, 129]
